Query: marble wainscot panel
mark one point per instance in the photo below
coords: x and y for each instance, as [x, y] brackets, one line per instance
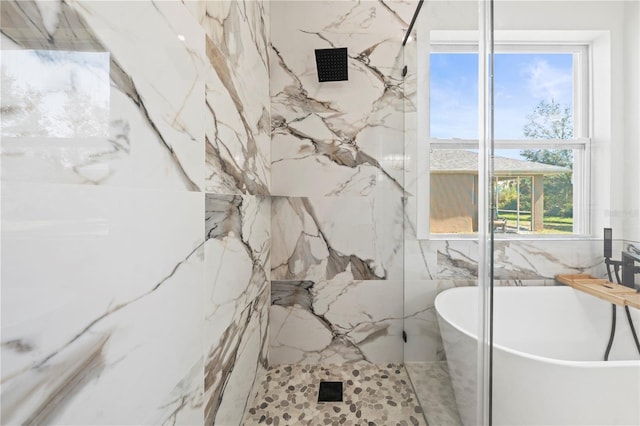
[237, 302]
[238, 132]
[336, 280]
[543, 260]
[420, 320]
[101, 301]
[434, 266]
[337, 138]
[92, 95]
[337, 321]
[513, 260]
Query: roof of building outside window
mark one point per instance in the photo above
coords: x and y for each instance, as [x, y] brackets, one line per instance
[462, 161]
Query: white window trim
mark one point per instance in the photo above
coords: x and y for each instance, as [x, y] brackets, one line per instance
[577, 42]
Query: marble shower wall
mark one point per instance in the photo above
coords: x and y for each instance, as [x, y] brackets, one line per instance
[238, 137]
[336, 290]
[236, 262]
[135, 212]
[337, 155]
[238, 213]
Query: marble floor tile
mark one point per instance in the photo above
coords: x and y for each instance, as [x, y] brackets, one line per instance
[373, 395]
[435, 393]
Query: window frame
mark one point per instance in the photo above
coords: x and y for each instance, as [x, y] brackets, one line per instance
[580, 144]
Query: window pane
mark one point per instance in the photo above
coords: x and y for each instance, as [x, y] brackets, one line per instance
[534, 191]
[454, 191]
[533, 95]
[533, 101]
[453, 95]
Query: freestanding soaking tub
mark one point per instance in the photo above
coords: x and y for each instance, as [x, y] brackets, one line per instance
[548, 368]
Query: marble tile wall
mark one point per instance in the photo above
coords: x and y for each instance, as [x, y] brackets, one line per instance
[237, 205]
[236, 259]
[336, 291]
[101, 301]
[135, 212]
[336, 178]
[238, 137]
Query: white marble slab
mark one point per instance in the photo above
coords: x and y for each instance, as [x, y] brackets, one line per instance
[121, 208]
[238, 121]
[337, 138]
[336, 321]
[317, 238]
[420, 322]
[432, 266]
[236, 365]
[236, 293]
[101, 289]
[432, 385]
[337, 167]
[146, 128]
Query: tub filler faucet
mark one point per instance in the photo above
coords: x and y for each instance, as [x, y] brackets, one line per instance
[627, 264]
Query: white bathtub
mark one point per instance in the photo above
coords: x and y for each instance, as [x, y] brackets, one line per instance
[549, 343]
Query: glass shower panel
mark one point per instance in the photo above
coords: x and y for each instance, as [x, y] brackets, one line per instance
[413, 339]
[566, 138]
[445, 160]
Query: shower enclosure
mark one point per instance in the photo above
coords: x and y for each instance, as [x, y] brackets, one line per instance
[185, 205]
[521, 136]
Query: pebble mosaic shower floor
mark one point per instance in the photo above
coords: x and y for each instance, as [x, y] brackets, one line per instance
[374, 395]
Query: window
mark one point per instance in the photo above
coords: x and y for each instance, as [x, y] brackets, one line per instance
[540, 138]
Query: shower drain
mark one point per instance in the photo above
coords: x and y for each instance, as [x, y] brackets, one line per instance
[330, 392]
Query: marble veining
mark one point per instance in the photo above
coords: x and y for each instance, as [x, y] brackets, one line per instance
[219, 97]
[238, 139]
[185, 401]
[138, 270]
[335, 321]
[347, 133]
[313, 240]
[434, 266]
[234, 363]
[146, 121]
[237, 229]
[520, 260]
[337, 177]
[432, 385]
[290, 293]
[75, 325]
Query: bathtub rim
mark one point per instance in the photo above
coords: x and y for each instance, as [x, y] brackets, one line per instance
[578, 364]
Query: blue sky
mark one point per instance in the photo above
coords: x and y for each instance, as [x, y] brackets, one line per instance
[521, 82]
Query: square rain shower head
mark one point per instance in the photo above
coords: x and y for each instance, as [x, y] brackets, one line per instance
[332, 64]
